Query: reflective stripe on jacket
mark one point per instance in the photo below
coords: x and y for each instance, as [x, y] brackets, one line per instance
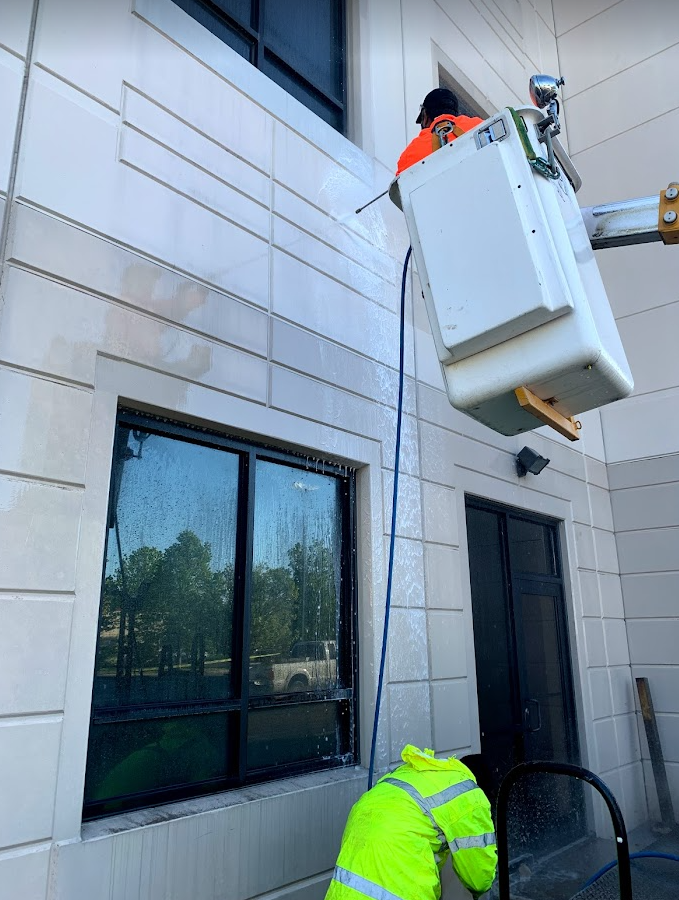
[422, 146]
[399, 834]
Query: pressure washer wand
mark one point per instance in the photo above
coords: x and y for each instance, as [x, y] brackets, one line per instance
[370, 202]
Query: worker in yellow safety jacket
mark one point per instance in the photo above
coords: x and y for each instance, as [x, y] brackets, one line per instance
[399, 834]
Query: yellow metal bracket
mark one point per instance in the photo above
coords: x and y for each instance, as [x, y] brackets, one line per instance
[569, 428]
[441, 133]
[668, 214]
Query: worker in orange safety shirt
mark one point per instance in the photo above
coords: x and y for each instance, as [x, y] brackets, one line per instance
[440, 105]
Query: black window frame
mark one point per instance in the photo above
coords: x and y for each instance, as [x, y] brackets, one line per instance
[243, 702]
[466, 105]
[221, 23]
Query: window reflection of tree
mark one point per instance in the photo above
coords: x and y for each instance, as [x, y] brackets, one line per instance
[167, 617]
[304, 488]
[171, 609]
[174, 613]
[278, 617]
[165, 716]
[313, 569]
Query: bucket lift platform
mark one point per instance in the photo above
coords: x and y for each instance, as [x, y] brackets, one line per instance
[521, 322]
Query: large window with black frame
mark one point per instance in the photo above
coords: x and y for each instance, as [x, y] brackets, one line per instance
[299, 44]
[227, 648]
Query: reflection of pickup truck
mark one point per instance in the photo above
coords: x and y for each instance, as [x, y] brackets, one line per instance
[309, 666]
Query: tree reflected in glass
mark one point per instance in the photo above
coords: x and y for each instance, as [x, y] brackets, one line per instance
[179, 708]
[166, 625]
[296, 580]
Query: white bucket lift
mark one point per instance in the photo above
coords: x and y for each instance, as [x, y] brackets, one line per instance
[518, 310]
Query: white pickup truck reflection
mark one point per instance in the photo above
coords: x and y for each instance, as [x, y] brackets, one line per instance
[309, 666]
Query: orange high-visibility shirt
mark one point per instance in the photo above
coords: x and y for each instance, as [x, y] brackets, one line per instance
[422, 146]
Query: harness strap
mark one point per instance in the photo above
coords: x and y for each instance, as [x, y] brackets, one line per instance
[537, 162]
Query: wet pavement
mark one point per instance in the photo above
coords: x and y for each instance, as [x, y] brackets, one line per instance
[563, 875]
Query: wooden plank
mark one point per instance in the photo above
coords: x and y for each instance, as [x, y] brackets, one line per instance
[547, 414]
[655, 749]
[669, 231]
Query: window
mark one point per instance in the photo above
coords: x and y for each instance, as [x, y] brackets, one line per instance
[466, 106]
[226, 651]
[299, 44]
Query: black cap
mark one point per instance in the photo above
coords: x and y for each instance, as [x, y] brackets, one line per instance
[438, 102]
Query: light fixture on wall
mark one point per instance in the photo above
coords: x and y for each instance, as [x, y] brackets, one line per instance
[528, 460]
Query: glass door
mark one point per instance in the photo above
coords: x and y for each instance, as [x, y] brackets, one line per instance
[549, 808]
[525, 691]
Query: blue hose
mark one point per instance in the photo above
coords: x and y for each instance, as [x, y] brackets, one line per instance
[643, 854]
[397, 458]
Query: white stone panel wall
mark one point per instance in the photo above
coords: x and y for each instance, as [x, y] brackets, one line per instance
[621, 110]
[645, 512]
[182, 239]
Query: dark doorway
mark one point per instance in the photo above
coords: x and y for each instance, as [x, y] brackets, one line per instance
[525, 688]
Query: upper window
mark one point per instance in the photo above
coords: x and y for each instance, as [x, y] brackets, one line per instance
[226, 649]
[300, 44]
[466, 106]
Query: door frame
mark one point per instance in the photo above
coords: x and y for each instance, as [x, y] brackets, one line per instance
[567, 638]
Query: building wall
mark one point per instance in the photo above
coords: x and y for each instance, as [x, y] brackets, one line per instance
[644, 498]
[14, 41]
[623, 131]
[182, 239]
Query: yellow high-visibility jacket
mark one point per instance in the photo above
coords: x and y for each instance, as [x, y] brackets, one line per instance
[399, 834]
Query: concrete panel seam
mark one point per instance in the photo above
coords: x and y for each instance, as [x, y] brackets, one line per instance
[489, 19]
[130, 249]
[328, 243]
[40, 718]
[192, 162]
[11, 185]
[76, 87]
[12, 52]
[11, 849]
[621, 133]
[334, 278]
[187, 196]
[46, 376]
[128, 86]
[584, 21]
[40, 479]
[653, 528]
[184, 378]
[129, 307]
[646, 309]
[636, 63]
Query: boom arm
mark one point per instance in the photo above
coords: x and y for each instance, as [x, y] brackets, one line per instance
[638, 221]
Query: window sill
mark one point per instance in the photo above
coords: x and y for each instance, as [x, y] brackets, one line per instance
[155, 815]
[170, 20]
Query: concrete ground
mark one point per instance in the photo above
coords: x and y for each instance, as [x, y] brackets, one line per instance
[564, 874]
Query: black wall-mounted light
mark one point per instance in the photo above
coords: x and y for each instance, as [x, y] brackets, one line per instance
[528, 460]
